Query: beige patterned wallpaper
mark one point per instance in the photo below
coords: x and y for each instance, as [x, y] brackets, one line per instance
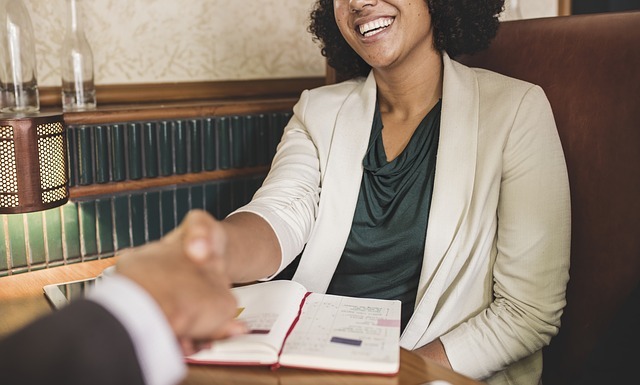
[157, 41]
[154, 41]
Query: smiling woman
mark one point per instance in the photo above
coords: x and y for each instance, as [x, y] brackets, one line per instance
[418, 179]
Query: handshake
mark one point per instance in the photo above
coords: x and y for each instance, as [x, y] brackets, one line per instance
[186, 275]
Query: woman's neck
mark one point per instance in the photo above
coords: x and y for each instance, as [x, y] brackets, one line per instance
[412, 90]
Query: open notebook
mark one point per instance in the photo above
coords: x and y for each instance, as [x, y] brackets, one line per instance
[292, 327]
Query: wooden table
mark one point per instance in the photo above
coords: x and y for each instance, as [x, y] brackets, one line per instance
[22, 300]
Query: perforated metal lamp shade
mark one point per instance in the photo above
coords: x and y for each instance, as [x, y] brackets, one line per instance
[33, 163]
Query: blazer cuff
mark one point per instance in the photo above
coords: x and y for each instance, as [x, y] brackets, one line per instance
[461, 353]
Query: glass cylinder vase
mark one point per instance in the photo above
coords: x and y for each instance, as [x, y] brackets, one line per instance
[18, 80]
[78, 88]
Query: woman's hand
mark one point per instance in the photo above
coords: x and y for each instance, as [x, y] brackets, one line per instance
[435, 352]
[243, 246]
[204, 240]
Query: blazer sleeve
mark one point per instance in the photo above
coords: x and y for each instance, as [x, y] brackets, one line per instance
[289, 197]
[530, 272]
[79, 344]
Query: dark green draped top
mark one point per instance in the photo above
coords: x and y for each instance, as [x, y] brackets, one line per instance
[384, 251]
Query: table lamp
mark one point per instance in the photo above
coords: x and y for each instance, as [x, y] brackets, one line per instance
[33, 163]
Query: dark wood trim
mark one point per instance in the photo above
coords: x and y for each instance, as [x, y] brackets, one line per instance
[134, 102]
[119, 94]
[331, 75]
[96, 190]
[564, 7]
[132, 113]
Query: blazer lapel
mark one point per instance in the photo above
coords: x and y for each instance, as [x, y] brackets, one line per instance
[340, 188]
[453, 188]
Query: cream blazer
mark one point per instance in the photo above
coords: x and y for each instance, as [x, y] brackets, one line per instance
[496, 256]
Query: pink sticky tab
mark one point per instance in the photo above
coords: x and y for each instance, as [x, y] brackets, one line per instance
[389, 322]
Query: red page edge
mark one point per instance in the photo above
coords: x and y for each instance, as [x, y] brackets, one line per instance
[293, 325]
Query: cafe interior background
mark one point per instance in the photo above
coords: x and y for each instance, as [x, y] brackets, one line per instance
[135, 172]
[167, 43]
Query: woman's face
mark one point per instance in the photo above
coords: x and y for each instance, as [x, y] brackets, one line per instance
[385, 33]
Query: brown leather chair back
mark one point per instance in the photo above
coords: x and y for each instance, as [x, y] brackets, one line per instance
[589, 67]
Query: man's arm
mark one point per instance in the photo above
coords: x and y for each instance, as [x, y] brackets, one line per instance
[80, 344]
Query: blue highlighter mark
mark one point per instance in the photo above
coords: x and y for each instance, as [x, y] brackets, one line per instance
[346, 341]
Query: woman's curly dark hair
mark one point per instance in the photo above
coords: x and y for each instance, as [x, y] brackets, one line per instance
[459, 27]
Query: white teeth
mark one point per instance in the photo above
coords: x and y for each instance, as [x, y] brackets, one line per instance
[375, 26]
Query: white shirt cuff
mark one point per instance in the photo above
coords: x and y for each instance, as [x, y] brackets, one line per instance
[155, 344]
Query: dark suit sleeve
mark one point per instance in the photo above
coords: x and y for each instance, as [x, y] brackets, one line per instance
[79, 344]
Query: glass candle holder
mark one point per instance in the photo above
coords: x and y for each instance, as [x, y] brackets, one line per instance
[78, 89]
[18, 80]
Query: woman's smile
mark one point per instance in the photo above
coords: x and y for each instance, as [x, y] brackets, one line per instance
[375, 26]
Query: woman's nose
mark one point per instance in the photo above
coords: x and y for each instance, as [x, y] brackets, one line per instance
[358, 5]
